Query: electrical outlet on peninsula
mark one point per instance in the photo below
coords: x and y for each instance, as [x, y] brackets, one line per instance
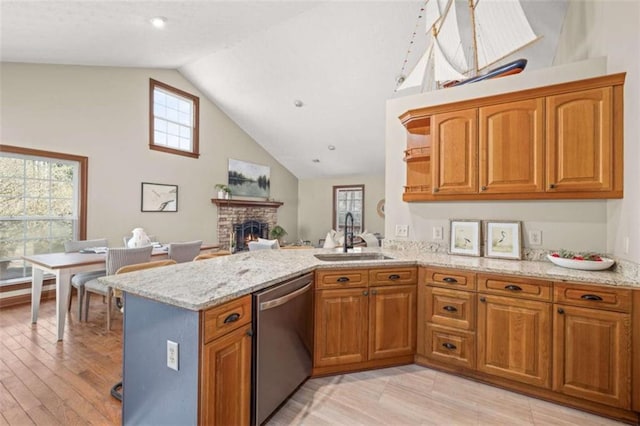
[172, 355]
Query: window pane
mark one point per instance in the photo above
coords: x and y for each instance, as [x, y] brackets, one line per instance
[172, 115]
[160, 125]
[61, 190]
[159, 111]
[37, 169]
[36, 207]
[159, 97]
[62, 172]
[184, 106]
[185, 144]
[185, 119]
[173, 129]
[185, 132]
[37, 228]
[11, 167]
[173, 141]
[160, 138]
[62, 228]
[37, 188]
[172, 102]
[62, 207]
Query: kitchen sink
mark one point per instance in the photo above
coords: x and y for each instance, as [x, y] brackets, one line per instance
[350, 257]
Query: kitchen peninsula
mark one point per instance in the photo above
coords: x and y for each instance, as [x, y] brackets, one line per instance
[205, 307]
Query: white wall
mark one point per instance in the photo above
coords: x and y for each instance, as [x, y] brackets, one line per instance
[316, 204]
[591, 29]
[102, 113]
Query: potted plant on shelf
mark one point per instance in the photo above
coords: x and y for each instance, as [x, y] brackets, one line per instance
[223, 191]
[277, 232]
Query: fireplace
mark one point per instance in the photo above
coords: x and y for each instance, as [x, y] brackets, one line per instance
[235, 212]
[249, 231]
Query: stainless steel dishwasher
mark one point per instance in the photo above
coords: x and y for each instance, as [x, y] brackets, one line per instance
[282, 346]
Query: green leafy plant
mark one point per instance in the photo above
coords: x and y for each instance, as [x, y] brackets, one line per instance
[223, 187]
[277, 232]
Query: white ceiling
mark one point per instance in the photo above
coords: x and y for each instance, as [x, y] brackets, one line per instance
[254, 58]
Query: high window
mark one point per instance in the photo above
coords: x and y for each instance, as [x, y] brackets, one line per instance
[173, 120]
[42, 204]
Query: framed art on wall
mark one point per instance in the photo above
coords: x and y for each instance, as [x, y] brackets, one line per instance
[465, 237]
[249, 179]
[158, 197]
[503, 239]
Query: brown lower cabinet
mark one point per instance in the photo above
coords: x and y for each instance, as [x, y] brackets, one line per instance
[572, 343]
[369, 322]
[225, 360]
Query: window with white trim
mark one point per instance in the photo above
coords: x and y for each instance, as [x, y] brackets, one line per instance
[40, 206]
[173, 116]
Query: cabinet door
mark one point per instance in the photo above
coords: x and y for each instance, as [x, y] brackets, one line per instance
[511, 146]
[514, 339]
[392, 321]
[580, 141]
[592, 355]
[455, 152]
[340, 327]
[226, 379]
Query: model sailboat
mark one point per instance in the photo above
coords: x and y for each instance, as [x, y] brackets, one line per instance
[498, 28]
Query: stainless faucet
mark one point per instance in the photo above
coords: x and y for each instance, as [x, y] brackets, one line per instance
[348, 232]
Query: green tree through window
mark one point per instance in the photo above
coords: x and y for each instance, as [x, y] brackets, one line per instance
[40, 206]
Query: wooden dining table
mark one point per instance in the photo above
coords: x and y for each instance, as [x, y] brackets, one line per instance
[63, 266]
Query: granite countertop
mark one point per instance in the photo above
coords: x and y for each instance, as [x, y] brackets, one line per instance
[203, 284]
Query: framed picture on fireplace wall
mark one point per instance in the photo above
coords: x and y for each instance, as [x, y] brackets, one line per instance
[249, 179]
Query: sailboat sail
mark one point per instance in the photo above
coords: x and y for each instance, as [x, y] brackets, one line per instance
[500, 29]
[515, 31]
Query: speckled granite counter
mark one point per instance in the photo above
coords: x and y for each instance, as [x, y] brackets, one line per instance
[200, 285]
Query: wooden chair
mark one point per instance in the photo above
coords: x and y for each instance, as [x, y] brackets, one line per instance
[211, 255]
[78, 280]
[184, 252]
[116, 259]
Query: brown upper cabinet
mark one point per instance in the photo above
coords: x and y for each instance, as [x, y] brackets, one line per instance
[563, 141]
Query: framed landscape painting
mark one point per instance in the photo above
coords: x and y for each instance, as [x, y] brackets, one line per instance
[249, 179]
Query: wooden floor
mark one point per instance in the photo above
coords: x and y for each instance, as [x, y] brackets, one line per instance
[46, 383]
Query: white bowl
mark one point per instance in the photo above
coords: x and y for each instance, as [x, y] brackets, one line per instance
[585, 265]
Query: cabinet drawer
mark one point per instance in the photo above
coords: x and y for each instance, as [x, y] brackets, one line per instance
[593, 296]
[451, 308]
[526, 288]
[449, 278]
[454, 347]
[222, 319]
[341, 278]
[393, 276]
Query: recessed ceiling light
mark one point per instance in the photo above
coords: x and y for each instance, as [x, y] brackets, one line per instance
[331, 148]
[298, 103]
[315, 160]
[158, 21]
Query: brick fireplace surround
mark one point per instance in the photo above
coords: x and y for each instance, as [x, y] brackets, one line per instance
[231, 212]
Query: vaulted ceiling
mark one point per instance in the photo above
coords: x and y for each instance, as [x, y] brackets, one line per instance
[254, 59]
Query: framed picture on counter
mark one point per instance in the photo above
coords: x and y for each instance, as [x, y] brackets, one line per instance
[158, 197]
[464, 237]
[503, 239]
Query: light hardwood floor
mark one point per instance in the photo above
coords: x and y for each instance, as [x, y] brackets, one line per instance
[47, 383]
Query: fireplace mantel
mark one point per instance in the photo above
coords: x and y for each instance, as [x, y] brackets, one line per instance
[245, 203]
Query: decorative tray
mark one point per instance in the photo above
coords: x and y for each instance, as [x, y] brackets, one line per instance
[585, 265]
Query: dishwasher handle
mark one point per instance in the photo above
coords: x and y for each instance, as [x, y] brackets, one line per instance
[284, 299]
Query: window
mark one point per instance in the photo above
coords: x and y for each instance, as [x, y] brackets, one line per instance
[41, 206]
[173, 120]
[348, 199]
